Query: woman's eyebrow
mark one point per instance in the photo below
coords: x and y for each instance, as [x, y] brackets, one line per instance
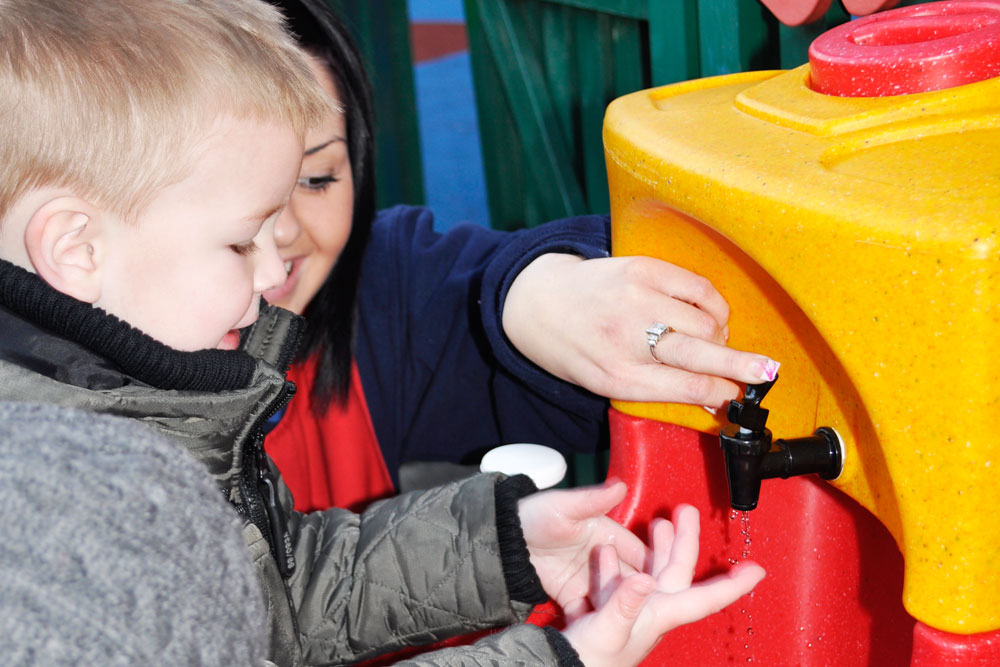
[316, 149]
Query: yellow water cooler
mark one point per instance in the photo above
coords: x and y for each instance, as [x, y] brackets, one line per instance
[849, 211]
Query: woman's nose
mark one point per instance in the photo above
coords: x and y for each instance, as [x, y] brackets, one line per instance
[287, 228]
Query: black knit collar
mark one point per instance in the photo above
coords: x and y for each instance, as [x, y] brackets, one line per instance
[136, 354]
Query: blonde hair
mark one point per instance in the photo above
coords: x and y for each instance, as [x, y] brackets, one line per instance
[112, 97]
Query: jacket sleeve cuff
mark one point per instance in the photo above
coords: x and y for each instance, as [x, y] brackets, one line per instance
[522, 581]
[587, 237]
[566, 655]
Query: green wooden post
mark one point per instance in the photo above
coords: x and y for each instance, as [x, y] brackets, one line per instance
[593, 57]
[556, 28]
[736, 36]
[382, 29]
[502, 165]
[531, 108]
[795, 41]
[674, 51]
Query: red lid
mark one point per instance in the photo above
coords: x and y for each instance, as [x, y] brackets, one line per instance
[909, 50]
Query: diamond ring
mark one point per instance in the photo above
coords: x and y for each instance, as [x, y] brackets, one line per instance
[653, 334]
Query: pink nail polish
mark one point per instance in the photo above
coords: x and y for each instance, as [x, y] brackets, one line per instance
[768, 370]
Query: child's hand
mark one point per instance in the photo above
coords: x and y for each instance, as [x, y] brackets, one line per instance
[632, 611]
[562, 529]
[584, 321]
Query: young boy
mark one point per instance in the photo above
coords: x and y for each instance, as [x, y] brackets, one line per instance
[148, 148]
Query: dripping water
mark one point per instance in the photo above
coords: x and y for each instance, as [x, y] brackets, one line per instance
[744, 554]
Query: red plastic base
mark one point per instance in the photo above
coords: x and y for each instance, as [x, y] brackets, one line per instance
[933, 648]
[834, 586]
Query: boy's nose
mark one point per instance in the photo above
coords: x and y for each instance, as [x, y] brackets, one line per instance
[287, 228]
[269, 268]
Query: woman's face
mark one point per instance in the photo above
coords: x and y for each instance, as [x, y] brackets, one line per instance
[313, 229]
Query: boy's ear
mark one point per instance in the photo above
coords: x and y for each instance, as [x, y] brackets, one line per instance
[63, 240]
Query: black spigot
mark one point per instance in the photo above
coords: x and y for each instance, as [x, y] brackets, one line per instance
[750, 456]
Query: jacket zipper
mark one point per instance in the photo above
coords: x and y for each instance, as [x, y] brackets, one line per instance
[257, 486]
[258, 489]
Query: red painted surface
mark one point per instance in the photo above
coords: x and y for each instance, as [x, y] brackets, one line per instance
[909, 50]
[436, 40]
[933, 648]
[834, 586]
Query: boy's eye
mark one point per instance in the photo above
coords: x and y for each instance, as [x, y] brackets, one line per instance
[317, 183]
[244, 249]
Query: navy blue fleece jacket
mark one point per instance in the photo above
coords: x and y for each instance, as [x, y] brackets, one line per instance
[441, 379]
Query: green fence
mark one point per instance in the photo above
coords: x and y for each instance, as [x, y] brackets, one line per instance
[544, 71]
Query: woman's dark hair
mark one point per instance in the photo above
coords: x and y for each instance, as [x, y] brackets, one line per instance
[331, 316]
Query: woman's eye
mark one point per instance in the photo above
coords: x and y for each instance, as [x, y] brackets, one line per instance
[244, 249]
[317, 183]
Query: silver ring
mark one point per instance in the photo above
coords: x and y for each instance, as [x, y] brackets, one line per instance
[653, 334]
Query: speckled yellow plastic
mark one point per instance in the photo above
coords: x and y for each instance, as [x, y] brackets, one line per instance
[856, 241]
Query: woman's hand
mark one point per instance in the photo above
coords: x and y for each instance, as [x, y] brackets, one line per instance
[584, 321]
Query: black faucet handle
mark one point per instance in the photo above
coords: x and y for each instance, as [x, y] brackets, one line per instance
[747, 411]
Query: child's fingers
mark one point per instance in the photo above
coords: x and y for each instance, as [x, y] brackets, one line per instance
[619, 613]
[608, 575]
[706, 598]
[678, 572]
[593, 501]
[662, 541]
[574, 609]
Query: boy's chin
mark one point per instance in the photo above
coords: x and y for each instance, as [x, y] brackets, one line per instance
[230, 341]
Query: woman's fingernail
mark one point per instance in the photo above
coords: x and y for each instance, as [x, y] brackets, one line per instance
[725, 334]
[768, 370]
[710, 410]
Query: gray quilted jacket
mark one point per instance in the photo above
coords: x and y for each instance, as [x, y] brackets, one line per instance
[341, 587]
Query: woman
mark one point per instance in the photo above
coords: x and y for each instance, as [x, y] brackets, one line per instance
[429, 347]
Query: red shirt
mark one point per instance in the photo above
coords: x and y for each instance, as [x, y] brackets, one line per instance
[333, 460]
